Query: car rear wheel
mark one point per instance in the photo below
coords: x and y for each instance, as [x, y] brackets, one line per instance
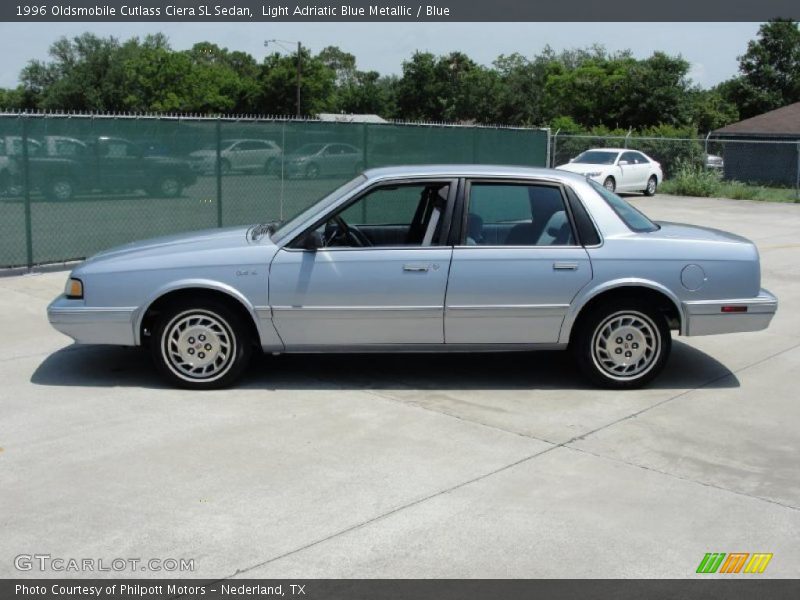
[167, 187]
[610, 184]
[623, 345]
[204, 345]
[652, 185]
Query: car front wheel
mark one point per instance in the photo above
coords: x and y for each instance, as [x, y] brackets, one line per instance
[622, 345]
[60, 190]
[610, 184]
[204, 345]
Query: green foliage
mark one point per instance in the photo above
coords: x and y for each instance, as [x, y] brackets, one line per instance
[770, 70]
[693, 180]
[579, 90]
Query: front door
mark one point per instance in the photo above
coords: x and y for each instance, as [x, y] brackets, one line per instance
[635, 172]
[377, 277]
[517, 268]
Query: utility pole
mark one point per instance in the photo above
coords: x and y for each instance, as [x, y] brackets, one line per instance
[299, 73]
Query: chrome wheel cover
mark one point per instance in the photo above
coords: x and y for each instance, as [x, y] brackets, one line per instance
[626, 345]
[609, 184]
[62, 190]
[170, 187]
[651, 186]
[198, 345]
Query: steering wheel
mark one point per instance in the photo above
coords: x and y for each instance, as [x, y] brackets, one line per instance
[345, 234]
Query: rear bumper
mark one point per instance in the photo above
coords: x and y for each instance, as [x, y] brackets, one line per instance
[90, 324]
[705, 317]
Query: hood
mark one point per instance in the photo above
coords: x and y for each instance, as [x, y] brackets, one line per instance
[582, 168]
[681, 231]
[195, 242]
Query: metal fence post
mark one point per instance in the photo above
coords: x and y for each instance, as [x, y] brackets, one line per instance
[26, 190]
[219, 171]
[797, 177]
[364, 143]
[555, 145]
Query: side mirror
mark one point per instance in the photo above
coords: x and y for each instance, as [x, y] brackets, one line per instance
[313, 241]
[571, 160]
[622, 163]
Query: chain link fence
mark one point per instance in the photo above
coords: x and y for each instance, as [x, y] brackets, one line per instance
[756, 161]
[71, 185]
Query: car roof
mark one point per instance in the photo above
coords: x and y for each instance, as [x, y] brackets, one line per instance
[611, 150]
[468, 170]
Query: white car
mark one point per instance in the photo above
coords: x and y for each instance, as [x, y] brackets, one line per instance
[237, 155]
[618, 169]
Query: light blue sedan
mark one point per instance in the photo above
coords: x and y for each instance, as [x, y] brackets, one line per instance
[425, 258]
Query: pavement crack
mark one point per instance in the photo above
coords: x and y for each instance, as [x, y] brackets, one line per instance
[681, 394]
[389, 513]
[680, 478]
[390, 398]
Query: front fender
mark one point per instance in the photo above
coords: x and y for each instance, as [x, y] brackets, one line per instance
[590, 292]
[183, 284]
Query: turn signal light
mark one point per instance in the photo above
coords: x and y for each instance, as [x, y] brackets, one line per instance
[74, 289]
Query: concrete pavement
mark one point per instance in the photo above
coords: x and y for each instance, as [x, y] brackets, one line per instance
[410, 466]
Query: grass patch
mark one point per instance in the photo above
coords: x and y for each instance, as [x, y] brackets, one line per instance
[693, 180]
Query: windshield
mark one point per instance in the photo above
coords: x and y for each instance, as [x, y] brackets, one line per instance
[632, 217]
[597, 157]
[318, 206]
[308, 149]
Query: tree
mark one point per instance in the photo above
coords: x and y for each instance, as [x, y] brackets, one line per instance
[770, 70]
[278, 85]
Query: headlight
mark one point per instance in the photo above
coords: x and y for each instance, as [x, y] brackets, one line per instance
[74, 289]
[594, 174]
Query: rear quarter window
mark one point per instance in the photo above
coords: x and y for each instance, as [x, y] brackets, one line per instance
[635, 220]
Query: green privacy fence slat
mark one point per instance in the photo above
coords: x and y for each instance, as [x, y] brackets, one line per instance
[97, 182]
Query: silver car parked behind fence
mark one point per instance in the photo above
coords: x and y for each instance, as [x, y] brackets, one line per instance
[425, 258]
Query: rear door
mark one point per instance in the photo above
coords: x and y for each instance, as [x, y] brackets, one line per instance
[516, 266]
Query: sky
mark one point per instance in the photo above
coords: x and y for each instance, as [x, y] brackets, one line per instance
[711, 48]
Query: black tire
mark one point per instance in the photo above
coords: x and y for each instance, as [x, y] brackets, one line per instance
[167, 186]
[610, 184]
[358, 168]
[60, 189]
[652, 186]
[623, 331]
[312, 171]
[225, 167]
[5, 183]
[269, 166]
[204, 328]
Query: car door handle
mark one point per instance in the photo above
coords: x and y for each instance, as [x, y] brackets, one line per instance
[565, 266]
[416, 268]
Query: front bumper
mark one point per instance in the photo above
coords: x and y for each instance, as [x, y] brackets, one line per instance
[92, 324]
[705, 317]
